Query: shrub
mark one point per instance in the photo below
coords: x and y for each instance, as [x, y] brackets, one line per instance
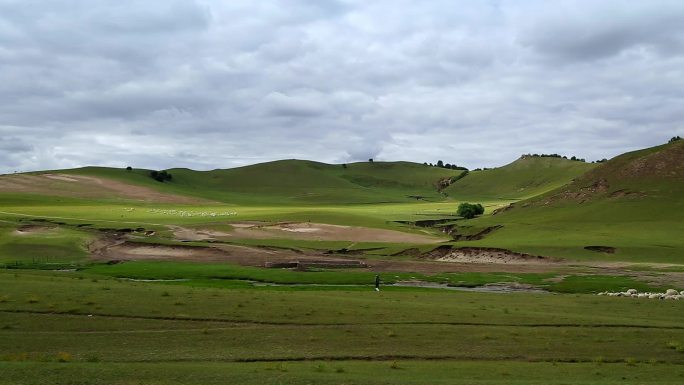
[674, 139]
[160, 176]
[469, 210]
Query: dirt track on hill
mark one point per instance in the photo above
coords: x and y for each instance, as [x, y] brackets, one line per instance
[79, 186]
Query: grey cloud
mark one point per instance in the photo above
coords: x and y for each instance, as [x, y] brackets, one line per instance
[205, 84]
[302, 104]
[568, 30]
[14, 145]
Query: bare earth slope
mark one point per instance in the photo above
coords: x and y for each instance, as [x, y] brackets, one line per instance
[85, 187]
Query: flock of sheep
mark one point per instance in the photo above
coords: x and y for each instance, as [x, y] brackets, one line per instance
[668, 294]
[184, 213]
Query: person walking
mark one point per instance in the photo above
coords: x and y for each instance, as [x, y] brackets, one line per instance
[377, 282]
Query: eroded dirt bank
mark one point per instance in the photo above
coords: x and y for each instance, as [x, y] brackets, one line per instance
[304, 231]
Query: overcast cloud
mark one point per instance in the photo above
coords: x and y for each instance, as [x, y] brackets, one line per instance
[214, 84]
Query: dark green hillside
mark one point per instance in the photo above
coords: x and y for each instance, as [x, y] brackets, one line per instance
[631, 204]
[524, 178]
[293, 181]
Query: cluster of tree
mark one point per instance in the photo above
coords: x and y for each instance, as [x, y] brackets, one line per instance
[469, 210]
[600, 161]
[445, 165]
[555, 156]
[674, 139]
[482, 169]
[160, 176]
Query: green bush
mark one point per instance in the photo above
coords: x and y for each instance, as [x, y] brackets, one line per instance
[469, 210]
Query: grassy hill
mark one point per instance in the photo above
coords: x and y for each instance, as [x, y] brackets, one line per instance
[279, 182]
[297, 181]
[632, 204]
[526, 177]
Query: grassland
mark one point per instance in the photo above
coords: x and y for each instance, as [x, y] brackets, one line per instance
[68, 316]
[103, 328]
[632, 203]
[525, 178]
[295, 182]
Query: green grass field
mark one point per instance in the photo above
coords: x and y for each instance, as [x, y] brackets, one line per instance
[69, 318]
[525, 178]
[62, 326]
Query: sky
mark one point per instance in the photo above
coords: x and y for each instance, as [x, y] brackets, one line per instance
[217, 84]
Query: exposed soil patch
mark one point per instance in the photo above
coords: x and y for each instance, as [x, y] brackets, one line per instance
[484, 255]
[79, 186]
[60, 177]
[303, 231]
[118, 248]
[33, 230]
[453, 231]
[627, 194]
[599, 186]
[666, 163]
[188, 234]
[162, 252]
[601, 249]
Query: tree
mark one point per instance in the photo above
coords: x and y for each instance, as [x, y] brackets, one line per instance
[674, 139]
[160, 176]
[344, 165]
[469, 210]
[129, 168]
[370, 160]
[440, 163]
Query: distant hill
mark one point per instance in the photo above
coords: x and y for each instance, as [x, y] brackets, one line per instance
[279, 182]
[526, 177]
[632, 206]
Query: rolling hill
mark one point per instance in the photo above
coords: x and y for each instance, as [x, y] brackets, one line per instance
[524, 178]
[279, 182]
[629, 208]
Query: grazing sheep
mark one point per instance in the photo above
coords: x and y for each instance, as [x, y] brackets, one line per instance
[669, 294]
